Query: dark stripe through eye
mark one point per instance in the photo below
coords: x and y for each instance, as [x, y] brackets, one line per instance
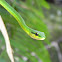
[35, 33]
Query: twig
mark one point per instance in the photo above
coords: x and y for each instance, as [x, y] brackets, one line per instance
[7, 41]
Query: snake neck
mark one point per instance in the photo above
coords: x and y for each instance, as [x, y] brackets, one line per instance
[25, 28]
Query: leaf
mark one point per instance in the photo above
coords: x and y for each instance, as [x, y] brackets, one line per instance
[22, 44]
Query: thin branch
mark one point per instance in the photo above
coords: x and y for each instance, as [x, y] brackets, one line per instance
[7, 41]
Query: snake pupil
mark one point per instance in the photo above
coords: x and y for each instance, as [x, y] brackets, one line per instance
[36, 34]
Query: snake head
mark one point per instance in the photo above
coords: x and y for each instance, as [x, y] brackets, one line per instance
[37, 35]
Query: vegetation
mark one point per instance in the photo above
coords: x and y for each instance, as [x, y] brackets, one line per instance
[23, 45]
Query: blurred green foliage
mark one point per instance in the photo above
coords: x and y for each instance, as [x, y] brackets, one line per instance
[22, 44]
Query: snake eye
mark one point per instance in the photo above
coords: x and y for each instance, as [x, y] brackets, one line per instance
[36, 34]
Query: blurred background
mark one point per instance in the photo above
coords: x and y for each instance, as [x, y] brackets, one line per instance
[42, 15]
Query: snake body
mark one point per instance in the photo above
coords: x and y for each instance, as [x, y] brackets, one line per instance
[31, 32]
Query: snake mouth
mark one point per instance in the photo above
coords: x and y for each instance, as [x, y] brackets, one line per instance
[37, 38]
[42, 39]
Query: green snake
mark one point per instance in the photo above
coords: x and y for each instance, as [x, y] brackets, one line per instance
[31, 32]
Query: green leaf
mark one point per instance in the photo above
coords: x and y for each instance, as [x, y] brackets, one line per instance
[22, 44]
